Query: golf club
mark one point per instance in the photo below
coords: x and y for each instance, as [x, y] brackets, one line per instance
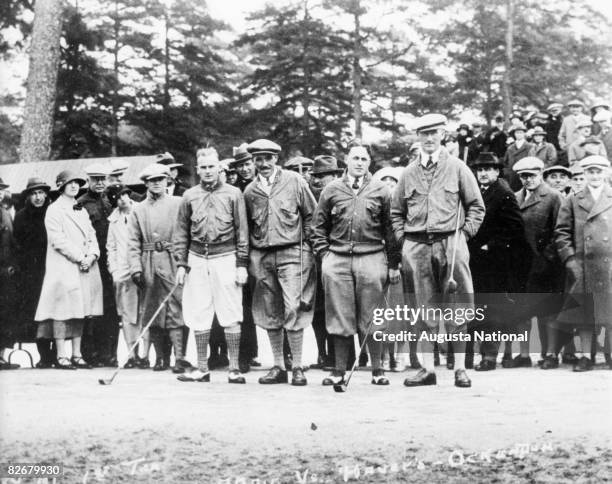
[452, 284]
[102, 381]
[342, 387]
[304, 306]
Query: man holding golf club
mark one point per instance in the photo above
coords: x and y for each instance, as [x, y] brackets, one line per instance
[279, 208]
[353, 236]
[435, 208]
[211, 243]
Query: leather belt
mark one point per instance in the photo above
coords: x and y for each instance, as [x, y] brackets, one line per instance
[427, 237]
[159, 246]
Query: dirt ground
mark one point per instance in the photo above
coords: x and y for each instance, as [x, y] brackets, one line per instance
[519, 425]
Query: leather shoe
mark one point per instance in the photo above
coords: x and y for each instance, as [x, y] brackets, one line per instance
[79, 362]
[485, 365]
[195, 376]
[298, 379]
[422, 378]
[462, 380]
[550, 362]
[130, 363]
[254, 363]
[42, 365]
[521, 362]
[379, 378]
[275, 375]
[235, 377]
[160, 365]
[336, 378]
[143, 363]
[584, 364]
[569, 359]
[5, 365]
[507, 362]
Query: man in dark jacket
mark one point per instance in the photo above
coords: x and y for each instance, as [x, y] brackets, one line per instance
[515, 152]
[496, 252]
[31, 249]
[495, 139]
[100, 336]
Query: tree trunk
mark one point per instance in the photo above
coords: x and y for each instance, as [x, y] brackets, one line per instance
[507, 81]
[37, 131]
[116, 47]
[166, 101]
[357, 70]
[306, 138]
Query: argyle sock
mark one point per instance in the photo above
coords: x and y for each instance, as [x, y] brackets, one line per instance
[375, 349]
[201, 339]
[276, 342]
[176, 336]
[341, 350]
[232, 336]
[296, 341]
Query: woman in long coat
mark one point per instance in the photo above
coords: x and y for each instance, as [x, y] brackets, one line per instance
[31, 247]
[72, 288]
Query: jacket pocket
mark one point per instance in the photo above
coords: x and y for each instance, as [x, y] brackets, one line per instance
[414, 202]
[288, 214]
[374, 210]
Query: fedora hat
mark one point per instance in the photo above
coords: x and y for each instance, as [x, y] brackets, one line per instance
[324, 164]
[240, 154]
[36, 183]
[66, 176]
[487, 158]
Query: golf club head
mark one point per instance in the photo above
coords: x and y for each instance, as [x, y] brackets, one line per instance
[101, 381]
[452, 286]
[340, 387]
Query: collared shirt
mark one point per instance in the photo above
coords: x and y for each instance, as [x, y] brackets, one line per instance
[266, 183]
[519, 143]
[435, 156]
[596, 191]
[351, 180]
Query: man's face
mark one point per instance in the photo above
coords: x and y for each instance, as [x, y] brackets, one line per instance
[463, 132]
[319, 181]
[519, 134]
[209, 170]
[265, 162]
[594, 176]
[157, 185]
[578, 182]
[97, 184]
[38, 197]
[174, 173]
[124, 202]
[538, 138]
[487, 175]
[585, 131]
[557, 181]
[232, 177]
[115, 179]
[431, 139]
[246, 169]
[555, 111]
[575, 110]
[357, 161]
[604, 125]
[530, 181]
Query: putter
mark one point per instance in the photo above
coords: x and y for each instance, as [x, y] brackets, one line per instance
[304, 306]
[102, 381]
[452, 284]
[342, 387]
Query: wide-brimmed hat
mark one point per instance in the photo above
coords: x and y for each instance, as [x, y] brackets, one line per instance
[36, 183]
[324, 164]
[600, 103]
[463, 126]
[240, 154]
[168, 160]
[538, 131]
[66, 176]
[487, 158]
[3, 186]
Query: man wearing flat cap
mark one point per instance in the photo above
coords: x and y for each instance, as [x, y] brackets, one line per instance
[568, 131]
[100, 336]
[280, 207]
[583, 236]
[518, 150]
[496, 253]
[432, 192]
[301, 165]
[539, 205]
[558, 178]
[541, 148]
[585, 144]
[153, 266]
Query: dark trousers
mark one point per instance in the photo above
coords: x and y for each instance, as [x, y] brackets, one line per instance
[248, 334]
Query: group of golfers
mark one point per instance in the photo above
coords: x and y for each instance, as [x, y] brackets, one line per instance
[313, 244]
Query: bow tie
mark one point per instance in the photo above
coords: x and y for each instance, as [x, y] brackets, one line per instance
[77, 206]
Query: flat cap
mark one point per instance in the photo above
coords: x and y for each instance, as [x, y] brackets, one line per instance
[595, 161]
[590, 140]
[388, 172]
[575, 102]
[263, 146]
[97, 169]
[154, 170]
[117, 167]
[538, 130]
[556, 169]
[429, 122]
[576, 169]
[529, 164]
[554, 106]
[602, 116]
[298, 161]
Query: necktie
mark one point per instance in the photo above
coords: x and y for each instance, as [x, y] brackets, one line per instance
[356, 183]
[528, 195]
[429, 162]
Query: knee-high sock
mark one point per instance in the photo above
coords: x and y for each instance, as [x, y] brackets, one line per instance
[232, 336]
[276, 342]
[158, 340]
[375, 349]
[202, 338]
[342, 345]
[176, 336]
[296, 340]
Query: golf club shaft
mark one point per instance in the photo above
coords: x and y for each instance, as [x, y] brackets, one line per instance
[452, 270]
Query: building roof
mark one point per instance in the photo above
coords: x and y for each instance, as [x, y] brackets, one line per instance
[16, 174]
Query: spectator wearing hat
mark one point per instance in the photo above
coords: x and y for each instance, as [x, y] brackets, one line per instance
[324, 171]
[541, 148]
[495, 138]
[126, 291]
[479, 136]
[516, 151]
[72, 288]
[558, 178]
[424, 207]
[353, 237]
[585, 146]
[8, 283]
[31, 246]
[115, 178]
[231, 175]
[153, 267]
[577, 182]
[599, 106]
[553, 127]
[468, 149]
[568, 133]
[583, 236]
[178, 187]
[539, 205]
[243, 163]
[301, 165]
[602, 119]
[280, 207]
[497, 253]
